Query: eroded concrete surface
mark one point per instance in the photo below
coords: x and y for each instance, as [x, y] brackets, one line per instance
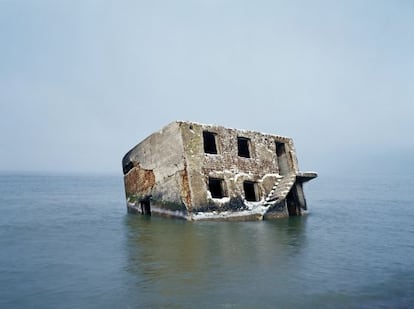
[204, 172]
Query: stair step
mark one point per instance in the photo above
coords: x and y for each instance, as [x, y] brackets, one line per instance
[281, 188]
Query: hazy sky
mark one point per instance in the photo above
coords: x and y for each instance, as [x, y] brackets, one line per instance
[83, 81]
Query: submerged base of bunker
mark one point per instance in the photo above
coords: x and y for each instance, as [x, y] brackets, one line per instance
[205, 172]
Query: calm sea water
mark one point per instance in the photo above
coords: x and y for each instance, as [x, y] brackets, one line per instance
[67, 242]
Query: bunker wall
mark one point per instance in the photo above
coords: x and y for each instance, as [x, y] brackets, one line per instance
[242, 160]
[158, 170]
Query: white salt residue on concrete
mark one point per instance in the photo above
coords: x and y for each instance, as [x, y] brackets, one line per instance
[222, 200]
[237, 176]
[254, 208]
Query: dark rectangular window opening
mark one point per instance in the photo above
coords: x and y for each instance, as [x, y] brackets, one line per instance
[209, 142]
[250, 193]
[216, 187]
[280, 149]
[243, 147]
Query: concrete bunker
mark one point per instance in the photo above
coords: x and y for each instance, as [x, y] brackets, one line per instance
[202, 172]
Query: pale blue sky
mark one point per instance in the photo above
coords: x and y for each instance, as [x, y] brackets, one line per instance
[81, 82]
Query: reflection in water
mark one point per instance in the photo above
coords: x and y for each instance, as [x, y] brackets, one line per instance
[180, 260]
[354, 250]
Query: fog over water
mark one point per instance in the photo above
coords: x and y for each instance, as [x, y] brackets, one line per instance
[81, 82]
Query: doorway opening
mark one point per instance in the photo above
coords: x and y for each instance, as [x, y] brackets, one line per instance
[146, 207]
[282, 158]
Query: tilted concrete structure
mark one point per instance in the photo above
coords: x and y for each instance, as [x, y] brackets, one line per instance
[198, 172]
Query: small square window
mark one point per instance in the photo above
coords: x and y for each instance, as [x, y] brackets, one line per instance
[209, 142]
[216, 187]
[243, 145]
[250, 191]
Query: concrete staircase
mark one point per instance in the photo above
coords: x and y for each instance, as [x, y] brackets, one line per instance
[280, 189]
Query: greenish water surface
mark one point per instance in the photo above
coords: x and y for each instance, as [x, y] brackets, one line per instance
[67, 242]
